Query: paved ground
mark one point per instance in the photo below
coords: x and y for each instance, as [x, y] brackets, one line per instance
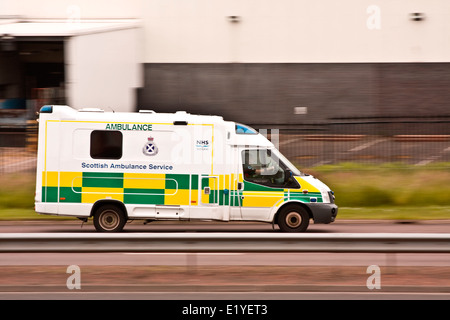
[226, 275]
[173, 282]
[310, 151]
[339, 226]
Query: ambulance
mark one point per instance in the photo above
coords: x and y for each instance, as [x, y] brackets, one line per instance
[117, 167]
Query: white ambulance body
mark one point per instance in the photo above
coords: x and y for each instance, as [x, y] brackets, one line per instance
[152, 166]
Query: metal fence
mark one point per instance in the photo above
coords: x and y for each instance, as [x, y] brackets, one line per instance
[376, 141]
[18, 148]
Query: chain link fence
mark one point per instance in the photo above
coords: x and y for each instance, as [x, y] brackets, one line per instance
[414, 142]
[18, 148]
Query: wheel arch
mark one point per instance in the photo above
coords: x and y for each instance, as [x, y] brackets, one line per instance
[103, 202]
[291, 203]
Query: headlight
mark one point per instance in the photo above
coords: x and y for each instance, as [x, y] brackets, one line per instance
[325, 196]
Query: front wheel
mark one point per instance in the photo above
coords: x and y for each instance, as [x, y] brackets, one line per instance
[109, 218]
[293, 219]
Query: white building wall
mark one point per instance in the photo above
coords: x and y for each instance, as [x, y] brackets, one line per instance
[296, 31]
[71, 9]
[358, 36]
[103, 70]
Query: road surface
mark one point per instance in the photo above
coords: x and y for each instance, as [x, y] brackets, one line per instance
[230, 259]
[223, 276]
[340, 226]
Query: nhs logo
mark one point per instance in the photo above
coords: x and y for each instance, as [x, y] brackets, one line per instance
[202, 144]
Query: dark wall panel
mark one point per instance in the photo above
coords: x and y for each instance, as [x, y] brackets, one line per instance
[265, 94]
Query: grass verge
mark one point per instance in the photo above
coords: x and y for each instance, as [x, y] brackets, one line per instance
[389, 185]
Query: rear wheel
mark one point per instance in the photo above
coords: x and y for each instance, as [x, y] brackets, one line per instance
[293, 219]
[109, 218]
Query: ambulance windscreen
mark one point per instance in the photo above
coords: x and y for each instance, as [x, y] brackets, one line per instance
[243, 129]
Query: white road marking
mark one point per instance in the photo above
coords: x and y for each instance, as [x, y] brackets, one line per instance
[282, 143]
[18, 166]
[366, 145]
[433, 158]
[427, 161]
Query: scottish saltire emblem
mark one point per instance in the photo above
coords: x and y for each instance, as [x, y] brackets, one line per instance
[150, 148]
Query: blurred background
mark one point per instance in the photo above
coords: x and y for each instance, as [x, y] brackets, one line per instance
[355, 92]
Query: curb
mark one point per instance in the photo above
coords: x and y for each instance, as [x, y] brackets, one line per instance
[225, 288]
[340, 221]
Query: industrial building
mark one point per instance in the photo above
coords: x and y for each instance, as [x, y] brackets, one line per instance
[289, 64]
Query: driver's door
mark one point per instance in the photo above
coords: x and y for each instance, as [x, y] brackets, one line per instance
[263, 183]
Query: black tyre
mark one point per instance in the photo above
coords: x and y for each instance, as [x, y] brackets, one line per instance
[293, 218]
[109, 218]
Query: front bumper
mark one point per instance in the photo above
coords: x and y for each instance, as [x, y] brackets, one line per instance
[323, 212]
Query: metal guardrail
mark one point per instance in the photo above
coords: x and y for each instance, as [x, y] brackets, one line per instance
[225, 242]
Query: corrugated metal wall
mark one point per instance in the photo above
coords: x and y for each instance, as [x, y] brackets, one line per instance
[267, 95]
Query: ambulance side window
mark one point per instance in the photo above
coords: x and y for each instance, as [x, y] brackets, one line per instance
[263, 167]
[260, 167]
[106, 144]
